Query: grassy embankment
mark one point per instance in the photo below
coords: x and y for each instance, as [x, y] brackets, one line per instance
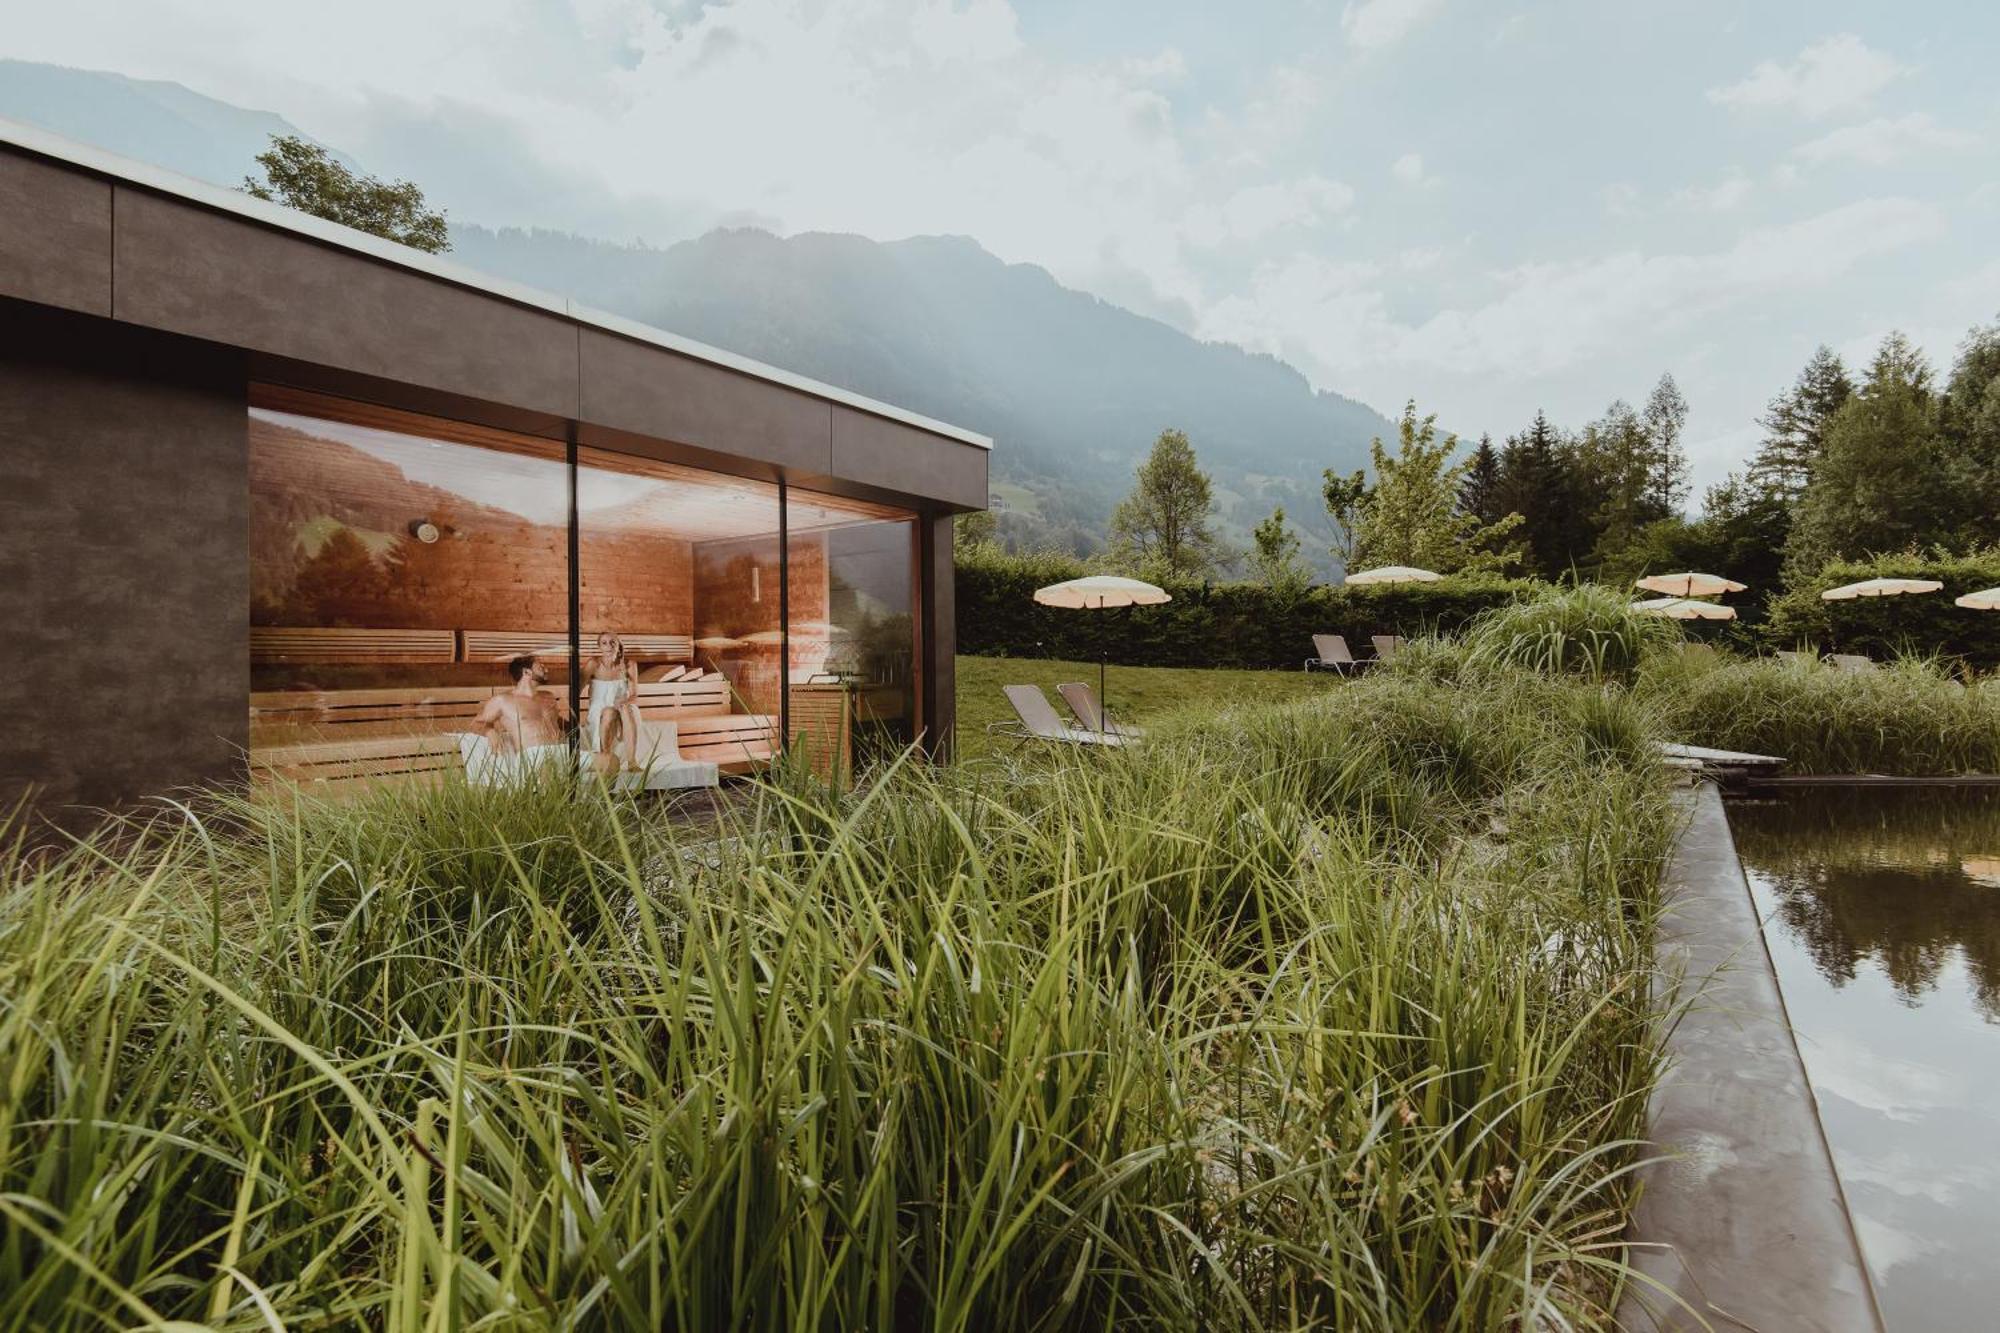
[1329, 1016]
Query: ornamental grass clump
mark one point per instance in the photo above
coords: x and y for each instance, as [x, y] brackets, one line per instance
[1909, 717]
[1585, 630]
[1333, 1014]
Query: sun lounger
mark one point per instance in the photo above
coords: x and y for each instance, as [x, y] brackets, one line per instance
[1333, 654]
[1082, 701]
[1792, 657]
[1038, 721]
[1386, 646]
[1851, 662]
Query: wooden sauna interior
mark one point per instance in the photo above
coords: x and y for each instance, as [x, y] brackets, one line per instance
[398, 560]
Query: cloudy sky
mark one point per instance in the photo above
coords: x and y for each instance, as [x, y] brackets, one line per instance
[1487, 207]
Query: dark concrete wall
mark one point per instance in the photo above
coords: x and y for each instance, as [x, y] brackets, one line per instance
[126, 596]
[940, 643]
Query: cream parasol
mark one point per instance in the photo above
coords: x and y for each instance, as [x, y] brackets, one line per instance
[1690, 584]
[1986, 599]
[1684, 608]
[1847, 592]
[1393, 574]
[1101, 592]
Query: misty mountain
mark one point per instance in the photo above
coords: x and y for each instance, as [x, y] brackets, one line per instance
[1072, 388]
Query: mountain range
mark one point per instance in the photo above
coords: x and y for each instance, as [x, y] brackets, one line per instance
[1072, 388]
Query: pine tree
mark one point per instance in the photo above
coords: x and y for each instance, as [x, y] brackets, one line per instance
[1538, 481]
[1795, 426]
[1479, 491]
[1665, 420]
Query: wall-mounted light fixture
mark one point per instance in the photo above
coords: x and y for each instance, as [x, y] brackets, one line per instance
[424, 530]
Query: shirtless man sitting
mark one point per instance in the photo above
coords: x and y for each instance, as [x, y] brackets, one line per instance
[522, 718]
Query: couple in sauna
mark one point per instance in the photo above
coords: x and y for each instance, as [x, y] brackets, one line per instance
[525, 723]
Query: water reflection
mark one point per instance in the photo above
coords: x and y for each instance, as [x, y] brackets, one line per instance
[1883, 918]
[1905, 879]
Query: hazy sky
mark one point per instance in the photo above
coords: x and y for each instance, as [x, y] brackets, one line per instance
[1486, 207]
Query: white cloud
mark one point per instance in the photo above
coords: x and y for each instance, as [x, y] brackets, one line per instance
[1409, 169]
[1547, 317]
[1372, 25]
[1620, 199]
[1724, 196]
[1884, 141]
[1258, 210]
[1833, 74]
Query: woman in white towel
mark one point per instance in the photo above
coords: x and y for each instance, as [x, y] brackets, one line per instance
[614, 680]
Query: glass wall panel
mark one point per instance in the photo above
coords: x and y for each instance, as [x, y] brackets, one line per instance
[684, 567]
[398, 565]
[853, 629]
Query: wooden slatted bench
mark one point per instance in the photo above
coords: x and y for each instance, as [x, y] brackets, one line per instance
[369, 737]
[486, 645]
[276, 643]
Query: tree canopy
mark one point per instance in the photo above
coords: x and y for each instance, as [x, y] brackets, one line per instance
[1412, 515]
[307, 177]
[1164, 526]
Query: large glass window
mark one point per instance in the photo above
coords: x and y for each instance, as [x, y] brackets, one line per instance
[854, 687]
[398, 564]
[406, 569]
[683, 567]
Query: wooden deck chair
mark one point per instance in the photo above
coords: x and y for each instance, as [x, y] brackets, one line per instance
[1037, 721]
[1082, 701]
[1333, 655]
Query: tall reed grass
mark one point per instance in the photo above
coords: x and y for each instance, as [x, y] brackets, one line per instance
[1908, 718]
[1324, 1015]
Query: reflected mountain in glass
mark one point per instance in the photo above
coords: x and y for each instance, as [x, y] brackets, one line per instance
[1907, 878]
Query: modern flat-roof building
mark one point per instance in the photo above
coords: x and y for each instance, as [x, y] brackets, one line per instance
[283, 499]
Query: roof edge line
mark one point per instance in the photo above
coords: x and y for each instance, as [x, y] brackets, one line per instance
[47, 143]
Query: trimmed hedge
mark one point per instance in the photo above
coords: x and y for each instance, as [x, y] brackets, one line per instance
[1206, 625]
[1925, 624]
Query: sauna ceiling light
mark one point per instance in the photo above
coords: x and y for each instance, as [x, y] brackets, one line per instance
[424, 530]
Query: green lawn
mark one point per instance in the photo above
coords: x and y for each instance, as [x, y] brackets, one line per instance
[1137, 694]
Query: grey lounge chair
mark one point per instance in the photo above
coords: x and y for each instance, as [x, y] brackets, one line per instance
[1852, 662]
[1386, 646]
[1793, 657]
[1333, 655]
[1082, 701]
[1038, 721]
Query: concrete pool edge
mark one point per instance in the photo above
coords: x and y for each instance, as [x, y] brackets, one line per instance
[1743, 1217]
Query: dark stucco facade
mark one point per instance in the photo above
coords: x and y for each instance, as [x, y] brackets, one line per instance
[136, 310]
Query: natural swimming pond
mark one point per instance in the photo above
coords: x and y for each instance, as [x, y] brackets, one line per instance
[1882, 910]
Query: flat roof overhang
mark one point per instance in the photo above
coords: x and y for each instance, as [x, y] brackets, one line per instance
[327, 307]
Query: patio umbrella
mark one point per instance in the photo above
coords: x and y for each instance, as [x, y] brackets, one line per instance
[1394, 574]
[1879, 588]
[1690, 584]
[1684, 608]
[1101, 592]
[1986, 599]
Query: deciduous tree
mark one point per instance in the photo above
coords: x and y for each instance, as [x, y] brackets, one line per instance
[1163, 526]
[305, 176]
[1412, 515]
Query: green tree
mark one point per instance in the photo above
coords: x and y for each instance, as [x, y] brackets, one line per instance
[1795, 426]
[981, 527]
[1412, 516]
[1880, 483]
[1665, 420]
[1275, 555]
[1540, 480]
[305, 176]
[1479, 491]
[1345, 498]
[1163, 525]
[1617, 457]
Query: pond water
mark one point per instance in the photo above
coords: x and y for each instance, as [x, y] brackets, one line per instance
[1882, 910]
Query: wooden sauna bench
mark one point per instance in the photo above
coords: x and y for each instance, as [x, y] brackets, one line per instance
[371, 737]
